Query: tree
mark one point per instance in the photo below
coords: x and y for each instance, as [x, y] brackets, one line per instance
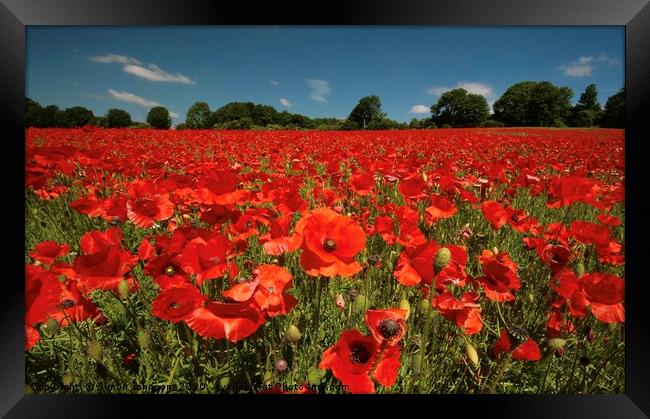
[459, 108]
[158, 117]
[33, 112]
[587, 112]
[589, 99]
[198, 116]
[614, 113]
[530, 103]
[118, 118]
[51, 117]
[77, 116]
[367, 110]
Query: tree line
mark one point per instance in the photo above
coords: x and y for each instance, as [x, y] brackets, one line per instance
[526, 103]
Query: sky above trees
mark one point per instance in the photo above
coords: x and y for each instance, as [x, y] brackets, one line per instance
[314, 71]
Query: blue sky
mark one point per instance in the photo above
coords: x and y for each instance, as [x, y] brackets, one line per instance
[315, 71]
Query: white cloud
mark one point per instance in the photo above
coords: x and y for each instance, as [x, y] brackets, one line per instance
[152, 72]
[130, 97]
[173, 114]
[285, 102]
[155, 73]
[420, 109]
[319, 89]
[274, 82]
[114, 58]
[476, 88]
[584, 66]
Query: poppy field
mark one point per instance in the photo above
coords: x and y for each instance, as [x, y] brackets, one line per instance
[412, 261]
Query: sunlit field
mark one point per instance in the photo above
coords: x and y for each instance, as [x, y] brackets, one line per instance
[414, 261]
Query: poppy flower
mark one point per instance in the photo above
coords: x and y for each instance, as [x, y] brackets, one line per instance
[145, 206]
[87, 205]
[73, 307]
[520, 222]
[495, 213]
[208, 259]
[440, 208]
[569, 189]
[233, 321]
[387, 326]
[362, 183]
[42, 292]
[353, 360]
[556, 256]
[103, 269]
[416, 265]
[526, 351]
[279, 240]
[267, 290]
[385, 227]
[176, 304]
[465, 312]
[609, 220]
[499, 278]
[413, 187]
[48, 251]
[330, 243]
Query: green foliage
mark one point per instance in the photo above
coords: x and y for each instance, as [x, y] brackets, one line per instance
[118, 118]
[459, 108]
[51, 117]
[75, 117]
[492, 123]
[614, 113]
[198, 116]
[535, 104]
[158, 117]
[33, 113]
[367, 111]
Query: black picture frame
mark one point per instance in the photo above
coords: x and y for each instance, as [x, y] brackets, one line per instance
[15, 15]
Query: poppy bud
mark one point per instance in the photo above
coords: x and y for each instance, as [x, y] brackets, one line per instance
[404, 305]
[123, 288]
[281, 365]
[556, 343]
[143, 339]
[471, 353]
[313, 377]
[340, 302]
[442, 259]
[67, 379]
[353, 294]
[187, 216]
[531, 297]
[416, 363]
[53, 326]
[431, 316]
[224, 381]
[292, 335]
[424, 177]
[95, 350]
[332, 294]
[268, 377]
[360, 303]
[580, 269]
[590, 335]
[425, 306]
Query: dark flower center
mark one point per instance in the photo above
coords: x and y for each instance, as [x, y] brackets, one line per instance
[515, 217]
[67, 304]
[519, 332]
[359, 354]
[174, 304]
[388, 328]
[170, 270]
[147, 206]
[329, 245]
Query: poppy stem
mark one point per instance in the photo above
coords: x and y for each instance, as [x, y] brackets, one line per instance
[318, 298]
[505, 323]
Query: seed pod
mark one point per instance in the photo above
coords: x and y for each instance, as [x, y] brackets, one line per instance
[143, 339]
[95, 350]
[268, 377]
[53, 326]
[556, 343]
[224, 381]
[313, 377]
[292, 335]
[123, 289]
[443, 255]
[360, 303]
[425, 306]
[432, 315]
[67, 379]
[531, 297]
[495, 250]
[471, 353]
[404, 305]
[416, 363]
[580, 269]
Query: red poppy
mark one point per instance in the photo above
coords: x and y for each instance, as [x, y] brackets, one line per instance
[556, 256]
[527, 351]
[208, 259]
[103, 269]
[569, 189]
[410, 234]
[521, 222]
[440, 208]
[48, 251]
[42, 291]
[279, 240]
[362, 183]
[87, 205]
[330, 243]
[233, 321]
[176, 304]
[495, 213]
[74, 307]
[415, 265]
[145, 206]
[605, 293]
[353, 360]
[609, 220]
[267, 290]
[387, 326]
[385, 227]
[465, 312]
[413, 187]
[499, 278]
